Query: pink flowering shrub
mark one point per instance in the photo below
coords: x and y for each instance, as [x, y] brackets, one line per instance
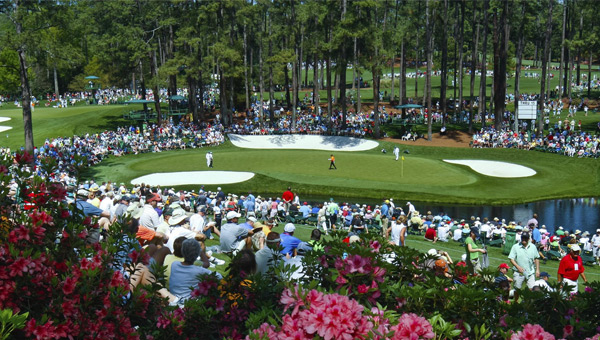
[532, 332]
[413, 327]
[334, 316]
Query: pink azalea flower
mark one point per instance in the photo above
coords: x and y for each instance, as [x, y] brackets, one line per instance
[567, 331]
[532, 332]
[362, 289]
[411, 326]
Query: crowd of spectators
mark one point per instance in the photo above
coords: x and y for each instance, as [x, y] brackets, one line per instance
[175, 225]
[564, 140]
[73, 153]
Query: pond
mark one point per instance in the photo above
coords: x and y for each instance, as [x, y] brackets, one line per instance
[571, 214]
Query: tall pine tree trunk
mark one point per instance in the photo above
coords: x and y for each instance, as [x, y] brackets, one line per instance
[461, 32]
[429, 41]
[475, 44]
[483, 81]
[261, 81]
[155, 89]
[25, 89]
[541, 99]
[316, 98]
[561, 89]
[246, 85]
[519, 55]
[500, 56]
[444, 69]
[402, 80]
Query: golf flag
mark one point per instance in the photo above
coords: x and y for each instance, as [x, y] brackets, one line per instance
[402, 157]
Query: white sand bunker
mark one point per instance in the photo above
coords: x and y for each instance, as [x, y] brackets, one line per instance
[194, 177]
[495, 168]
[304, 142]
[4, 128]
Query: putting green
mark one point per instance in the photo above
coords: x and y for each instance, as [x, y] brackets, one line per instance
[312, 167]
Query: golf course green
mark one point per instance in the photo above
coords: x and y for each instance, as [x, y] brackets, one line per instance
[422, 176]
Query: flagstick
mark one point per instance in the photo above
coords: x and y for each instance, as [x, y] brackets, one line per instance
[402, 167]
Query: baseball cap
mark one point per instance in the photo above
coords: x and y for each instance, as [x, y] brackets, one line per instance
[432, 252]
[289, 228]
[575, 247]
[503, 265]
[232, 214]
[253, 219]
[544, 274]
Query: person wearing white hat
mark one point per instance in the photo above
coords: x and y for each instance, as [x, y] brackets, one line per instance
[288, 241]
[595, 241]
[233, 237]
[570, 268]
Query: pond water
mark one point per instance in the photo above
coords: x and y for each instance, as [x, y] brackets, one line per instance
[571, 214]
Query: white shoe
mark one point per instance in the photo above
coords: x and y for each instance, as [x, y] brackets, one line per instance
[217, 261]
[209, 253]
[211, 265]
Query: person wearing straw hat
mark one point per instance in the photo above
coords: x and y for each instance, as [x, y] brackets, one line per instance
[570, 268]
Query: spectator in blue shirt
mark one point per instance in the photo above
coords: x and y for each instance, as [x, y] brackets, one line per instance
[305, 210]
[288, 241]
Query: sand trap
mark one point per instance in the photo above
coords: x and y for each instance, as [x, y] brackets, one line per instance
[304, 142]
[194, 177]
[495, 168]
[4, 128]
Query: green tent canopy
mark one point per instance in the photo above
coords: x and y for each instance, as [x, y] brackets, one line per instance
[408, 106]
[139, 101]
[177, 97]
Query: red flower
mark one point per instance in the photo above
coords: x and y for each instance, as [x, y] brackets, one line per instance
[40, 218]
[362, 289]
[58, 192]
[64, 213]
[23, 158]
[567, 331]
[69, 285]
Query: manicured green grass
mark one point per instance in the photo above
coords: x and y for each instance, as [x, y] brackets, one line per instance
[51, 122]
[373, 175]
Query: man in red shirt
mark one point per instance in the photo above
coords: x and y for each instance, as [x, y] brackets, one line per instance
[288, 197]
[431, 233]
[569, 269]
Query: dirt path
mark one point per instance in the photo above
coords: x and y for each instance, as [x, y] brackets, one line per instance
[452, 139]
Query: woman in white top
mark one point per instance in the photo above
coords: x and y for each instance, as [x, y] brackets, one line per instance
[397, 230]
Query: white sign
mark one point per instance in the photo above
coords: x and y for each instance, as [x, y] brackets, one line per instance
[527, 109]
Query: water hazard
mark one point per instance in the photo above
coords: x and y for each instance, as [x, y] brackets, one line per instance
[571, 214]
